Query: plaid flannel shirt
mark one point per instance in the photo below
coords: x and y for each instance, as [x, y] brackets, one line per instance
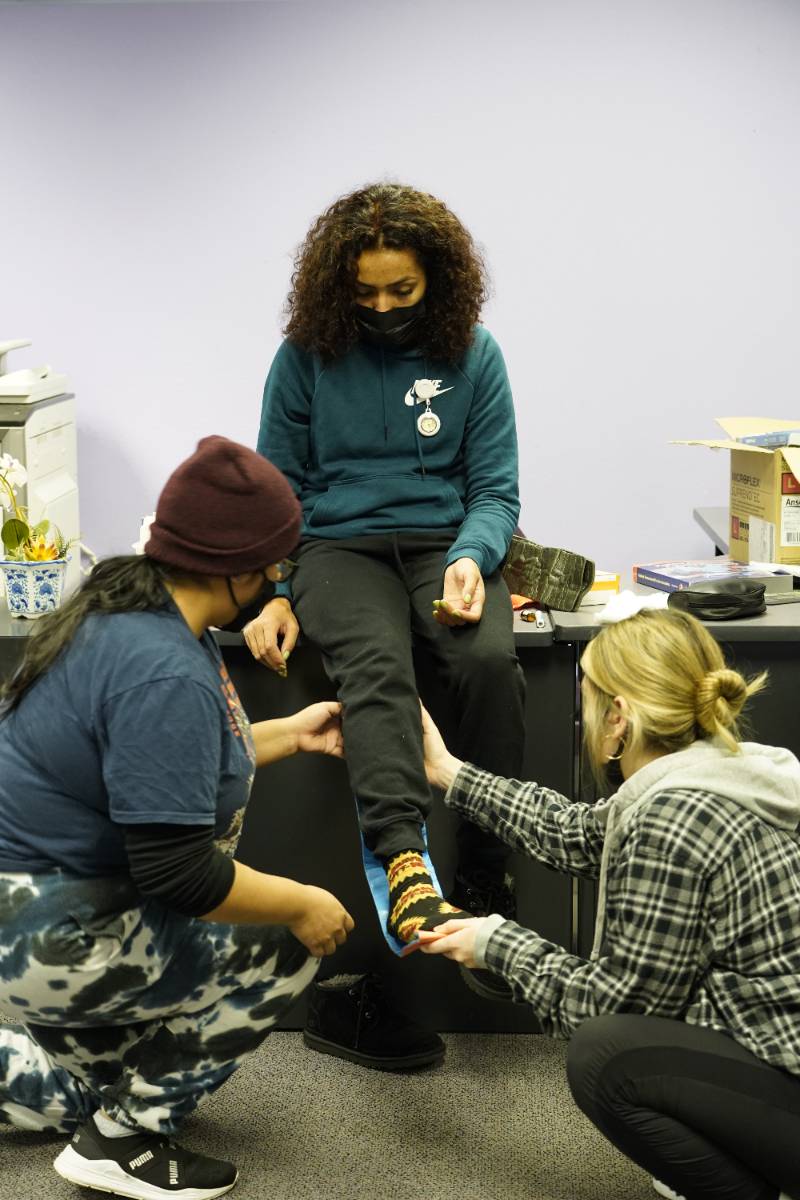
[702, 919]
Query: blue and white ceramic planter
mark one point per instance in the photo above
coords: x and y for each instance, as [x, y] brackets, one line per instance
[33, 588]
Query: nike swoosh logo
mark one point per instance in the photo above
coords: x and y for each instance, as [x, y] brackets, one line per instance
[411, 399]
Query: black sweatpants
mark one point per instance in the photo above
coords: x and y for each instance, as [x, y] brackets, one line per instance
[689, 1105]
[366, 603]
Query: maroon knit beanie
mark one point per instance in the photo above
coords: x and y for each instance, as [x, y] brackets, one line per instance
[224, 511]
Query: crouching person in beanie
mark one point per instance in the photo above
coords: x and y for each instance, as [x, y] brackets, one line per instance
[139, 960]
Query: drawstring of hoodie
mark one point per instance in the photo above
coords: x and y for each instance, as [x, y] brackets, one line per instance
[412, 410]
[420, 459]
[383, 395]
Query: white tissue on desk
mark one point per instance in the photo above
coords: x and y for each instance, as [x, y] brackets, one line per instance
[628, 604]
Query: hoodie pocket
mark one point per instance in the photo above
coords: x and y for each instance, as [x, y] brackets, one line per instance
[385, 501]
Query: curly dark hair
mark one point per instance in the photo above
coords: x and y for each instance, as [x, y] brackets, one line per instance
[320, 305]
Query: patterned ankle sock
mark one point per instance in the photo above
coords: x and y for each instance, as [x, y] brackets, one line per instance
[414, 903]
[111, 1128]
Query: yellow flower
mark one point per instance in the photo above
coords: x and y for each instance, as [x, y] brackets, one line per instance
[38, 549]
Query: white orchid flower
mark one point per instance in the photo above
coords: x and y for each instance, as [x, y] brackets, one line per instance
[13, 471]
[144, 533]
[12, 476]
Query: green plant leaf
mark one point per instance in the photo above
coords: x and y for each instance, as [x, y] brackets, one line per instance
[41, 528]
[14, 533]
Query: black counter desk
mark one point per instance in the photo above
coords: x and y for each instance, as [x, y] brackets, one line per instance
[301, 821]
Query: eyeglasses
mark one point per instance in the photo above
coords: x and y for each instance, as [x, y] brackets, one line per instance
[277, 572]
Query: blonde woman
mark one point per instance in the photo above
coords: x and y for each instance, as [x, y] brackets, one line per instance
[686, 1017]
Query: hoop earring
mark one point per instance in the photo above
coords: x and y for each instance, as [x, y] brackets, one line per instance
[620, 751]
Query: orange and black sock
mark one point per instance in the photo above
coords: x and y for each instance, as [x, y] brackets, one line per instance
[414, 903]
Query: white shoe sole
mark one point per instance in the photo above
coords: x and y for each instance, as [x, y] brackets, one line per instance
[104, 1175]
[663, 1190]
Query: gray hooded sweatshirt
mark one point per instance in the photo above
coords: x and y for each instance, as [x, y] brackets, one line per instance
[698, 859]
[765, 780]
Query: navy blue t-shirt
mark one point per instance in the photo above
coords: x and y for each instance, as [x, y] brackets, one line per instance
[137, 722]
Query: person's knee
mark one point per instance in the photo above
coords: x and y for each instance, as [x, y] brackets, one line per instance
[488, 666]
[374, 666]
[593, 1047]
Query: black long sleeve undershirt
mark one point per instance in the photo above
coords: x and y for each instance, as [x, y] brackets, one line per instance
[180, 866]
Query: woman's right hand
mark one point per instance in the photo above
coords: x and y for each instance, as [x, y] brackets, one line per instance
[324, 923]
[271, 636]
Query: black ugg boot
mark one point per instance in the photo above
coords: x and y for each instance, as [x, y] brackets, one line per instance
[479, 894]
[351, 1017]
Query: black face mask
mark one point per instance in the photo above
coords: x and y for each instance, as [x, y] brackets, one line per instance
[265, 593]
[396, 329]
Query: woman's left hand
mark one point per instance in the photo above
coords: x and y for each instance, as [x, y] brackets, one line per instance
[318, 728]
[441, 767]
[454, 939]
[464, 594]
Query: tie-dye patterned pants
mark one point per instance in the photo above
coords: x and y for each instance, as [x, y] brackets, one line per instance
[124, 1005]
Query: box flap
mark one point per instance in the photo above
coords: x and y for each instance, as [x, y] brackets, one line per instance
[739, 427]
[720, 444]
[790, 453]
[792, 456]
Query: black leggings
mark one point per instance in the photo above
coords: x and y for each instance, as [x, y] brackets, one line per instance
[366, 603]
[689, 1105]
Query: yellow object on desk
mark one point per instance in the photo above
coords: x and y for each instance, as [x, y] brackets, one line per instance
[606, 583]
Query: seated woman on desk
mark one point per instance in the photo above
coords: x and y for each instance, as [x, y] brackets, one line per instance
[686, 1018]
[139, 960]
[388, 408]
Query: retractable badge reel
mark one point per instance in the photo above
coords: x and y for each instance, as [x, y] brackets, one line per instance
[423, 392]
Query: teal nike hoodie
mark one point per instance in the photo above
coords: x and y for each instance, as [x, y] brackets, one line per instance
[346, 435]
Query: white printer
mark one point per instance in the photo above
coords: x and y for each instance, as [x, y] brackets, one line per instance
[37, 426]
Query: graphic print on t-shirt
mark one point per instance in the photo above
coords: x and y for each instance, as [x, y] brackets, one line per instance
[240, 728]
[237, 718]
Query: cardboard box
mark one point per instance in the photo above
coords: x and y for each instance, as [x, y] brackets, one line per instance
[677, 574]
[764, 493]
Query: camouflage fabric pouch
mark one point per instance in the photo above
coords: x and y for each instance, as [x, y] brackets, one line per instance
[557, 578]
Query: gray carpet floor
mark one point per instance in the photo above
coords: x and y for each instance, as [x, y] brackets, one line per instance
[494, 1122]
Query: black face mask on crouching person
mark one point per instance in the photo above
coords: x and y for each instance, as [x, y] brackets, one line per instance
[396, 329]
[246, 612]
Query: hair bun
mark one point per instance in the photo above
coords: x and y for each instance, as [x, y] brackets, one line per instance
[721, 695]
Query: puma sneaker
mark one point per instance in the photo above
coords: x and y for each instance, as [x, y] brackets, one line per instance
[144, 1166]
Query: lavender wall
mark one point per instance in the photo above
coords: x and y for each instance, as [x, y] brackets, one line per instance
[630, 167]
